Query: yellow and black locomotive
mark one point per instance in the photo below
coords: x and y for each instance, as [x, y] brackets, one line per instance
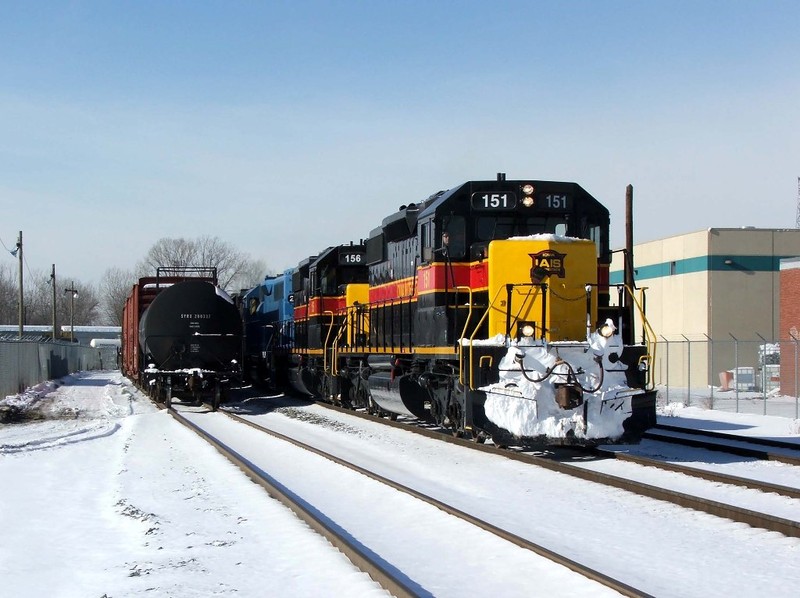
[485, 309]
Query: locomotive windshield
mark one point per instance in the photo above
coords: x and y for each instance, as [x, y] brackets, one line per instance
[489, 228]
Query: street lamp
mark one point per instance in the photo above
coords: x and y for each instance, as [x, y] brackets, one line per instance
[74, 292]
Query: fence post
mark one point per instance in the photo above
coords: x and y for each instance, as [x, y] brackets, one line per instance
[736, 368]
[711, 368]
[763, 371]
[667, 376]
[688, 371]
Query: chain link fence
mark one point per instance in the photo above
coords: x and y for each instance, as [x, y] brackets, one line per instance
[731, 374]
[741, 375]
[26, 363]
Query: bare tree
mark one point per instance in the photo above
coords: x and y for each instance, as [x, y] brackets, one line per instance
[9, 295]
[250, 275]
[38, 299]
[115, 286]
[84, 309]
[201, 252]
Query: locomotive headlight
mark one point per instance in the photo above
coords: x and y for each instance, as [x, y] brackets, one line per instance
[527, 201]
[608, 329]
[527, 189]
[528, 330]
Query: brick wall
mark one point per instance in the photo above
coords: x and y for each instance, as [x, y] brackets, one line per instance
[789, 322]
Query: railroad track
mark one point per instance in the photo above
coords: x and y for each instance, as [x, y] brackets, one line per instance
[787, 527]
[365, 558]
[307, 413]
[704, 474]
[758, 448]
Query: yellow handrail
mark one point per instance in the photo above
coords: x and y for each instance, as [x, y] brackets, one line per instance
[471, 339]
[325, 345]
[650, 338]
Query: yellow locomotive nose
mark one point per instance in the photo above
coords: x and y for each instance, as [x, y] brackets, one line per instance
[540, 282]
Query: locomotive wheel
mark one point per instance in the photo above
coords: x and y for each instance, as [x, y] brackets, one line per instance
[352, 397]
[362, 399]
[372, 408]
[325, 390]
[456, 419]
[498, 442]
[217, 397]
[436, 414]
[479, 438]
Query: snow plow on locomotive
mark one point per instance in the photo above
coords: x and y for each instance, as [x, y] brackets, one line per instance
[485, 309]
[181, 336]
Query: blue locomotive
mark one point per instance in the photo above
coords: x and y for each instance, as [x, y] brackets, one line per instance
[268, 315]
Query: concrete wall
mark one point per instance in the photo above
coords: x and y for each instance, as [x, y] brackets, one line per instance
[715, 284]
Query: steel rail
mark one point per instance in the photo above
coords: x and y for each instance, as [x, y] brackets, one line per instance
[792, 446]
[765, 521]
[538, 549]
[704, 474]
[392, 582]
[740, 449]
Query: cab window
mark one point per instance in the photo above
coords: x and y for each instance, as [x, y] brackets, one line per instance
[454, 237]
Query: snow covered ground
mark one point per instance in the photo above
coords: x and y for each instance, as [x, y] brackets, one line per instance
[107, 496]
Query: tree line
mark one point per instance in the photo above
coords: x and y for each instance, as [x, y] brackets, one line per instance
[101, 304]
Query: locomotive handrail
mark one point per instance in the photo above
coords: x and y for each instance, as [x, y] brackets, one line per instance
[542, 286]
[475, 331]
[463, 333]
[471, 339]
[335, 358]
[649, 340]
[327, 338]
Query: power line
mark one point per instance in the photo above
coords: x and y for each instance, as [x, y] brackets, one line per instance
[5, 246]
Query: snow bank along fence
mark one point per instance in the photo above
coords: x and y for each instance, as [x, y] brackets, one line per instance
[722, 373]
[27, 363]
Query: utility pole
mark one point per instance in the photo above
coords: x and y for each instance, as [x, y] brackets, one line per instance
[53, 283]
[630, 281]
[73, 293]
[797, 223]
[21, 299]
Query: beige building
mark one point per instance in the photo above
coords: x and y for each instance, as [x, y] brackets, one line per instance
[713, 301]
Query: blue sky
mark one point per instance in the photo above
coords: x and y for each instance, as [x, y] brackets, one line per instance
[285, 127]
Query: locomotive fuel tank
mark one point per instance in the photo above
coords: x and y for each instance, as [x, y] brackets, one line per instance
[394, 391]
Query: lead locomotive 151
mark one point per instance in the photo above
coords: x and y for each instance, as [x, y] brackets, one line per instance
[484, 309]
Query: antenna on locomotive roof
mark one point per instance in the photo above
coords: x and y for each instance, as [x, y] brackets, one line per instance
[501, 176]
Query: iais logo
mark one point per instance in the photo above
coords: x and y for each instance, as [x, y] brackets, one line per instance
[547, 263]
